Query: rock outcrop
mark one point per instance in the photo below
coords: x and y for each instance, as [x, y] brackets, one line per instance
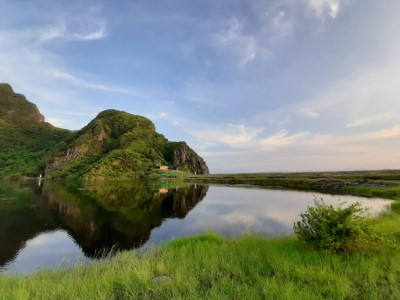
[184, 157]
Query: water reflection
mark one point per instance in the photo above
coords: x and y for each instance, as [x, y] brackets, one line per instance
[56, 224]
[98, 218]
[51, 249]
[235, 211]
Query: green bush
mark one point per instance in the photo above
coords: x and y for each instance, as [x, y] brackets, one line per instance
[338, 229]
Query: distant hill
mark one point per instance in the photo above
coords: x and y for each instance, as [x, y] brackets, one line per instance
[115, 144]
[25, 138]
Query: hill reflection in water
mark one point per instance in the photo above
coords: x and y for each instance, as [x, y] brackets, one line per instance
[98, 217]
[46, 226]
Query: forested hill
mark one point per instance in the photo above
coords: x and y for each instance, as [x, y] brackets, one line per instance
[115, 144]
[25, 137]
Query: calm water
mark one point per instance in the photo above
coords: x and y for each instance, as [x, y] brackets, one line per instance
[56, 225]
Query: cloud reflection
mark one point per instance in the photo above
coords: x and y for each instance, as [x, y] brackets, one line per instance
[44, 251]
[236, 211]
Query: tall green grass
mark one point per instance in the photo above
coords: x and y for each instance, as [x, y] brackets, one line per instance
[212, 267]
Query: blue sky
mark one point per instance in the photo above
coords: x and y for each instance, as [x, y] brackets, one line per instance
[252, 86]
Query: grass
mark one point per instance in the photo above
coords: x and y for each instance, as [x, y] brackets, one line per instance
[382, 183]
[250, 267]
[212, 267]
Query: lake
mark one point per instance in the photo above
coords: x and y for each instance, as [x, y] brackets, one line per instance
[53, 224]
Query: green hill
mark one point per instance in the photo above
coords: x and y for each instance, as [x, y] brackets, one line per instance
[25, 138]
[115, 144]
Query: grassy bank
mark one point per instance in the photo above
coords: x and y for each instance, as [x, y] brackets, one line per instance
[382, 183]
[212, 267]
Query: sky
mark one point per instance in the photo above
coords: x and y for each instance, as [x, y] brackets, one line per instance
[250, 85]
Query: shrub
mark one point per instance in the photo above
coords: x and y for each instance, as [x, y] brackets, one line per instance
[338, 229]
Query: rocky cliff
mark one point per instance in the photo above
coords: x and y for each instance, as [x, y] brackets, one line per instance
[183, 157]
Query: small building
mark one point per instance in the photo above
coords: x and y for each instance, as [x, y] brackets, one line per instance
[162, 191]
[163, 167]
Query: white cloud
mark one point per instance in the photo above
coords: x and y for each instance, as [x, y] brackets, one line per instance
[241, 46]
[93, 30]
[374, 136]
[371, 119]
[365, 101]
[278, 18]
[310, 113]
[232, 32]
[82, 83]
[367, 95]
[23, 52]
[322, 7]
[52, 33]
[283, 25]
[232, 135]
[305, 151]
[356, 102]
[97, 34]
[48, 238]
[241, 218]
[157, 116]
[281, 139]
[26, 59]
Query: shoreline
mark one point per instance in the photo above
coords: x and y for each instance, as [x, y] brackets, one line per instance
[248, 267]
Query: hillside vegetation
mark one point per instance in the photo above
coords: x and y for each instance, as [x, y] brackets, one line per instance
[114, 145]
[25, 139]
[118, 144]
